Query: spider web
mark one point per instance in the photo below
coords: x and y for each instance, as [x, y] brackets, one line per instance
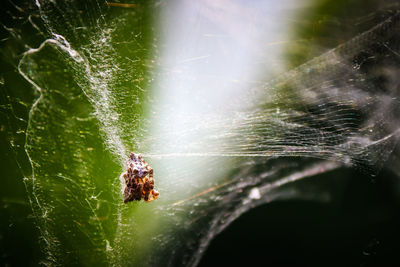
[203, 104]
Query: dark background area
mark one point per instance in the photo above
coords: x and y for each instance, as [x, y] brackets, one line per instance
[359, 226]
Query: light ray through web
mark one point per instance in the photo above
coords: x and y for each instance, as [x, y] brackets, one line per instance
[192, 96]
[316, 110]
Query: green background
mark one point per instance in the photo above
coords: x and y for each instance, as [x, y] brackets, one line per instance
[355, 226]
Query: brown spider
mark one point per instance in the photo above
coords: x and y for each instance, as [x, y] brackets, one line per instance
[139, 180]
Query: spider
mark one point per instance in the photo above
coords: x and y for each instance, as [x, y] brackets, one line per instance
[139, 180]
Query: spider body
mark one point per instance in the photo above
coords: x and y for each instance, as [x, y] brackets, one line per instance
[139, 180]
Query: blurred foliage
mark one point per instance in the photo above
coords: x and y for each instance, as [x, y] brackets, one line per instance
[325, 24]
